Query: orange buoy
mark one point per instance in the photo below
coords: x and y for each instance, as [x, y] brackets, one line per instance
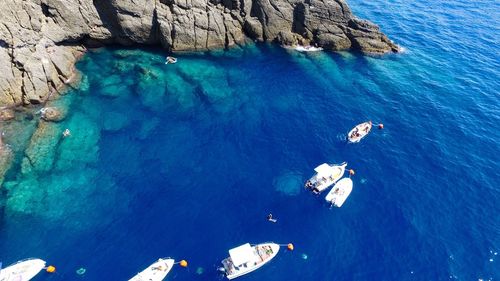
[290, 246]
[381, 126]
[183, 263]
[51, 269]
[351, 172]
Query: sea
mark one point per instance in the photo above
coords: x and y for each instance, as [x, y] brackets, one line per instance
[186, 160]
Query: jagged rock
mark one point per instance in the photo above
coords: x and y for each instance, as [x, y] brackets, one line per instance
[253, 28]
[52, 114]
[367, 38]
[331, 41]
[287, 38]
[40, 40]
[6, 115]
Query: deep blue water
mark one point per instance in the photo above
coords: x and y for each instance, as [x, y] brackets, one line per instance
[187, 160]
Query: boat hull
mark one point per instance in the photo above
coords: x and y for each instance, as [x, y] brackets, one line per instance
[339, 193]
[155, 272]
[22, 270]
[245, 270]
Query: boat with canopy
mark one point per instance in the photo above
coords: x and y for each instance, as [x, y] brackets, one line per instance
[247, 258]
[326, 175]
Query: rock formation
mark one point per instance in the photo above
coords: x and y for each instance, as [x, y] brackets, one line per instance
[52, 114]
[40, 40]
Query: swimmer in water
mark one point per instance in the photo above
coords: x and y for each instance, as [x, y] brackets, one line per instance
[270, 218]
[66, 133]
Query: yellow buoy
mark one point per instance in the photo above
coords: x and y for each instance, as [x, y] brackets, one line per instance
[351, 172]
[51, 269]
[183, 263]
[290, 246]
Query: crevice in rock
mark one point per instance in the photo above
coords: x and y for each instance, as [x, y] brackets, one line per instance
[87, 21]
[279, 13]
[226, 34]
[11, 49]
[154, 33]
[209, 15]
[109, 17]
[298, 19]
[45, 10]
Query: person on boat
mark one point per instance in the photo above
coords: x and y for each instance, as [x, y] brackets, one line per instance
[160, 268]
[355, 134]
[309, 184]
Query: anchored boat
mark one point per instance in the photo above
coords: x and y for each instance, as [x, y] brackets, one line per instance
[155, 272]
[339, 192]
[359, 132]
[325, 176]
[22, 270]
[247, 258]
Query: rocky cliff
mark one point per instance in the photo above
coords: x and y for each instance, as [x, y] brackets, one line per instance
[41, 39]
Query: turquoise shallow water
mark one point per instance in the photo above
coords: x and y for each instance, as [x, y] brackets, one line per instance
[187, 160]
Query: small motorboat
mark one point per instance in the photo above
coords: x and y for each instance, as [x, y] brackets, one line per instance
[247, 258]
[339, 192]
[308, 48]
[155, 272]
[22, 270]
[325, 176]
[359, 132]
[171, 60]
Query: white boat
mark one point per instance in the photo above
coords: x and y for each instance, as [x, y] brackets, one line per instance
[22, 270]
[247, 258]
[325, 176]
[339, 192]
[359, 132]
[308, 48]
[155, 272]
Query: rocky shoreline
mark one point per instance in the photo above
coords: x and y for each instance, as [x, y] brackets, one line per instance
[42, 39]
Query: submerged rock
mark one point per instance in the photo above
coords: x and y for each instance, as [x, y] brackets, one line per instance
[53, 114]
[289, 184]
[7, 114]
[6, 156]
[82, 147]
[41, 151]
[25, 196]
[115, 121]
